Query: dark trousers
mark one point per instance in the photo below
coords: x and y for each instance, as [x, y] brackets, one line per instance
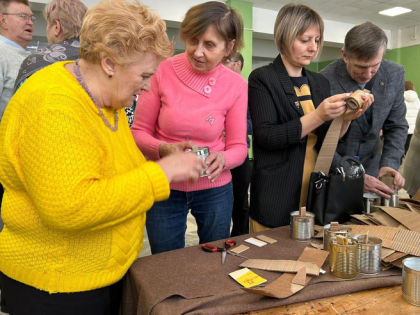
[241, 176]
[24, 300]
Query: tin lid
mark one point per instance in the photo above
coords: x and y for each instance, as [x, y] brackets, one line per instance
[412, 264]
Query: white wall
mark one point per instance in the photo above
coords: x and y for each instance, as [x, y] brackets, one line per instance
[406, 37]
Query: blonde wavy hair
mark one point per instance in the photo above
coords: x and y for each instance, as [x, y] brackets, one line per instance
[70, 13]
[120, 31]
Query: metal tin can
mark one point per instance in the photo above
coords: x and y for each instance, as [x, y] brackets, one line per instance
[343, 259]
[344, 230]
[369, 254]
[411, 280]
[302, 228]
[202, 153]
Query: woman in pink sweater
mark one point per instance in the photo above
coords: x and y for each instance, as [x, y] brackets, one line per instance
[193, 99]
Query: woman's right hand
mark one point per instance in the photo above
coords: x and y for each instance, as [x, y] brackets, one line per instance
[166, 149]
[181, 167]
[332, 107]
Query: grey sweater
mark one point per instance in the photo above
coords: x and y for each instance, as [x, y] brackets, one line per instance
[10, 61]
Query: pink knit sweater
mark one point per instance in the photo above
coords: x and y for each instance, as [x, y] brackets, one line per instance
[188, 105]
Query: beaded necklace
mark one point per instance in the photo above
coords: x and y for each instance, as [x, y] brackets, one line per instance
[83, 84]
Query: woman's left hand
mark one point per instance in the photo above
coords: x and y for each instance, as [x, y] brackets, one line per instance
[215, 164]
[354, 114]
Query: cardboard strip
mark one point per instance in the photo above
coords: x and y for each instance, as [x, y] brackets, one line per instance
[300, 277]
[385, 252]
[292, 266]
[239, 249]
[409, 219]
[266, 239]
[284, 287]
[394, 256]
[329, 146]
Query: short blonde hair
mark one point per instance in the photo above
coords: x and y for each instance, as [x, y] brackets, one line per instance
[293, 20]
[120, 31]
[70, 13]
[226, 20]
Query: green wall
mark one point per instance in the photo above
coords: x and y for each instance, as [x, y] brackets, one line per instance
[409, 58]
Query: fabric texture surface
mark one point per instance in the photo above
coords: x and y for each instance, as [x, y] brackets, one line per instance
[191, 281]
[10, 61]
[185, 104]
[388, 114]
[279, 151]
[76, 193]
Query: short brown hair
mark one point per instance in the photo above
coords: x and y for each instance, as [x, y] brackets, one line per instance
[120, 31]
[226, 20]
[364, 41]
[293, 20]
[70, 13]
[4, 4]
[409, 86]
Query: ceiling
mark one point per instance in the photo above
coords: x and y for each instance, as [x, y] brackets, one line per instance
[356, 11]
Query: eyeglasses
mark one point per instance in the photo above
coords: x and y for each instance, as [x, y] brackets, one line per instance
[231, 61]
[23, 16]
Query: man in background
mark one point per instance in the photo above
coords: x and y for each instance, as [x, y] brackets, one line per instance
[16, 29]
[241, 175]
[362, 67]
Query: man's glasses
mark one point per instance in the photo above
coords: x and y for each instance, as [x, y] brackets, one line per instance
[23, 16]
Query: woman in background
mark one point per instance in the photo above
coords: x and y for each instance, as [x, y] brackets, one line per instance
[291, 110]
[64, 21]
[76, 186]
[412, 103]
[194, 98]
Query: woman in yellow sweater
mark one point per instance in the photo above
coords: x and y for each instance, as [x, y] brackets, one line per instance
[76, 186]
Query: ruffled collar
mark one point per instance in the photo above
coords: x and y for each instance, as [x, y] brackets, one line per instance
[201, 82]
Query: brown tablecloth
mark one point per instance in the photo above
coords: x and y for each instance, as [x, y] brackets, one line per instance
[191, 281]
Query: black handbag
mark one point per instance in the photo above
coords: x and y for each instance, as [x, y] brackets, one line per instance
[336, 196]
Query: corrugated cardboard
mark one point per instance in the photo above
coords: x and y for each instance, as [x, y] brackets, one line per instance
[400, 240]
[284, 287]
[292, 266]
[410, 219]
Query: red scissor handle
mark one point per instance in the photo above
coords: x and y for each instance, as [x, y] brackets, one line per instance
[229, 244]
[211, 248]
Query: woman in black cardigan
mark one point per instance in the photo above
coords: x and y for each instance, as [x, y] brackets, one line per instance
[291, 110]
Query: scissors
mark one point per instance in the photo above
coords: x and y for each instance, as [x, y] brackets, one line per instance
[214, 249]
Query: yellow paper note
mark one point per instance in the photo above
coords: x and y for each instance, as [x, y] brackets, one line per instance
[247, 278]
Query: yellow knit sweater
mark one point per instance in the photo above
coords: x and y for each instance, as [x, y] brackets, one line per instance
[76, 193]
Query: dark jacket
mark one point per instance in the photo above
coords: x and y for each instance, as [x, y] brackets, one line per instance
[388, 114]
[279, 151]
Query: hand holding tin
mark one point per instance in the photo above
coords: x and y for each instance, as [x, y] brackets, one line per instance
[215, 164]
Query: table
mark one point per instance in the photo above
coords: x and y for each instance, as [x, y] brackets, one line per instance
[191, 281]
[371, 302]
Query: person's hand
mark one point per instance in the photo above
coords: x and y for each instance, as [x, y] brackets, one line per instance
[181, 167]
[216, 162]
[399, 181]
[374, 185]
[331, 107]
[354, 114]
[166, 149]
